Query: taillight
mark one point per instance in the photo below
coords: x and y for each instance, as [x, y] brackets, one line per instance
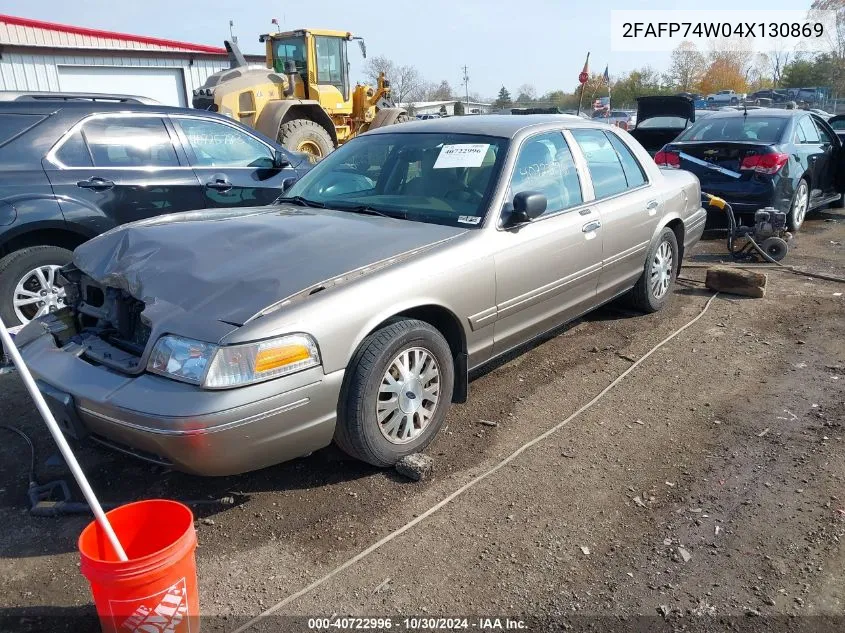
[765, 163]
[672, 160]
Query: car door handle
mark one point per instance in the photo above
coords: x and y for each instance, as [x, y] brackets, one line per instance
[589, 227]
[219, 182]
[96, 183]
[651, 207]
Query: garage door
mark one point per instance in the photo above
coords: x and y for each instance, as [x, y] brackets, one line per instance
[162, 84]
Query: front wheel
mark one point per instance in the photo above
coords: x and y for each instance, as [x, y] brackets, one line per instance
[654, 286]
[396, 394]
[304, 135]
[28, 283]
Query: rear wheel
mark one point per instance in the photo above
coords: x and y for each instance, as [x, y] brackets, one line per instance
[799, 205]
[655, 284]
[304, 135]
[397, 393]
[28, 287]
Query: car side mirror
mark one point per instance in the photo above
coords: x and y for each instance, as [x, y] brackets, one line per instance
[280, 161]
[287, 183]
[527, 206]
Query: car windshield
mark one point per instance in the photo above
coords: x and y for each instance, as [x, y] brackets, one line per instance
[736, 128]
[427, 177]
[664, 122]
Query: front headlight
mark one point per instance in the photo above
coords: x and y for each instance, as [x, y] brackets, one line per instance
[237, 365]
[181, 358]
[234, 365]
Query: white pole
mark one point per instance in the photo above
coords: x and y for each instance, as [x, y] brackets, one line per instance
[57, 434]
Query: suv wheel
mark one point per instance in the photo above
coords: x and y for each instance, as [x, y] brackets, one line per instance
[28, 283]
[397, 393]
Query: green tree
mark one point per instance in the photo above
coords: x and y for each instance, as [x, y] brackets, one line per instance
[459, 108]
[504, 98]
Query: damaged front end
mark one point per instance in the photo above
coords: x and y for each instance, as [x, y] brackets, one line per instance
[104, 325]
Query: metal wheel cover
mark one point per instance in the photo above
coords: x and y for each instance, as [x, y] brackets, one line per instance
[408, 395]
[36, 294]
[310, 147]
[802, 202]
[660, 271]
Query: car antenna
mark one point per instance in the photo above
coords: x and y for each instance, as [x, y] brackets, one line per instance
[744, 109]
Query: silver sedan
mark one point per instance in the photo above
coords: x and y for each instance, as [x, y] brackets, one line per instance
[354, 308]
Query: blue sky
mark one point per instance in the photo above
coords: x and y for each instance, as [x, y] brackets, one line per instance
[541, 42]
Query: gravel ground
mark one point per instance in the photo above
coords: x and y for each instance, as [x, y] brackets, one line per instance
[705, 492]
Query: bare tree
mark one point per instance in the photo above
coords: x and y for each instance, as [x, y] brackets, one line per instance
[686, 67]
[835, 38]
[526, 93]
[405, 81]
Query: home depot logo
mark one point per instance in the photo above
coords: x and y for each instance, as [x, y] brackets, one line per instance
[164, 612]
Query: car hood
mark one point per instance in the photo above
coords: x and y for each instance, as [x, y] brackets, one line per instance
[650, 107]
[231, 264]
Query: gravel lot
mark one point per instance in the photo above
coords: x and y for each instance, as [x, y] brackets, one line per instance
[705, 492]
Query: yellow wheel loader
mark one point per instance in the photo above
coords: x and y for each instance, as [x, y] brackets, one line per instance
[304, 100]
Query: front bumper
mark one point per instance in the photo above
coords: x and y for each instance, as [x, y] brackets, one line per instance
[190, 429]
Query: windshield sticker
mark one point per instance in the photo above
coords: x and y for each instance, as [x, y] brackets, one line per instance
[461, 155]
[469, 219]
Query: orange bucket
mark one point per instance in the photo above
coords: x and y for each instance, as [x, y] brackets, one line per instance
[156, 589]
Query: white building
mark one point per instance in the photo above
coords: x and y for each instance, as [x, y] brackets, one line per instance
[435, 107]
[43, 56]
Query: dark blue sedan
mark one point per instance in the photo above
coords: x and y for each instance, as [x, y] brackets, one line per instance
[788, 159]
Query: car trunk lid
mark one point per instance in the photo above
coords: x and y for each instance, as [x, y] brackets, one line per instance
[738, 160]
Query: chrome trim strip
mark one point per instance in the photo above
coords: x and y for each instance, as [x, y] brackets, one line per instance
[214, 429]
[544, 292]
[634, 250]
[485, 317]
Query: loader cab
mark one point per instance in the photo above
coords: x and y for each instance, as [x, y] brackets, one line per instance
[321, 61]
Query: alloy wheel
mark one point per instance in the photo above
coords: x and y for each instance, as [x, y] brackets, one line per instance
[37, 294]
[408, 395]
[660, 273]
[799, 207]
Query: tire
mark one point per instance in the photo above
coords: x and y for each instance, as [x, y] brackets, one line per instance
[644, 296]
[795, 218]
[358, 432]
[15, 266]
[304, 135]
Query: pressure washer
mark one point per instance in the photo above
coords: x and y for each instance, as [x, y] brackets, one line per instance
[768, 239]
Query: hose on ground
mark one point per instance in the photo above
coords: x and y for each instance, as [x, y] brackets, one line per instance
[26, 439]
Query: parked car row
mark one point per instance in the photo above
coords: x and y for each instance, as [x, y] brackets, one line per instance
[353, 309]
[72, 168]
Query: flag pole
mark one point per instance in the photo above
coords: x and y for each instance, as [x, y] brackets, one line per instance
[584, 83]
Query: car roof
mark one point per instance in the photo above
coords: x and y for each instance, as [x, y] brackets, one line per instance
[49, 106]
[506, 126]
[755, 112]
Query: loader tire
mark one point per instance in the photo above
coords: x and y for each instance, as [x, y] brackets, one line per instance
[304, 135]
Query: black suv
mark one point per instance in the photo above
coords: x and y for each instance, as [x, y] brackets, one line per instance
[71, 169]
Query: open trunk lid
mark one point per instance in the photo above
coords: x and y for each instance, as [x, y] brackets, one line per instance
[650, 107]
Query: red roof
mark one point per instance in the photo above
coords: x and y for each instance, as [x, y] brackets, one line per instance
[78, 30]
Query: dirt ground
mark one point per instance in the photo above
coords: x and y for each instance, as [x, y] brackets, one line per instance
[705, 492]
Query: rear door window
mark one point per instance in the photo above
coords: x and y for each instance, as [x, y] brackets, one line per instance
[808, 131]
[634, 173]
[603, 162]
[74, 152]
[129, 142]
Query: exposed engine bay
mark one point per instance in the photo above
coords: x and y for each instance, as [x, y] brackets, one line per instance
[104, 324]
